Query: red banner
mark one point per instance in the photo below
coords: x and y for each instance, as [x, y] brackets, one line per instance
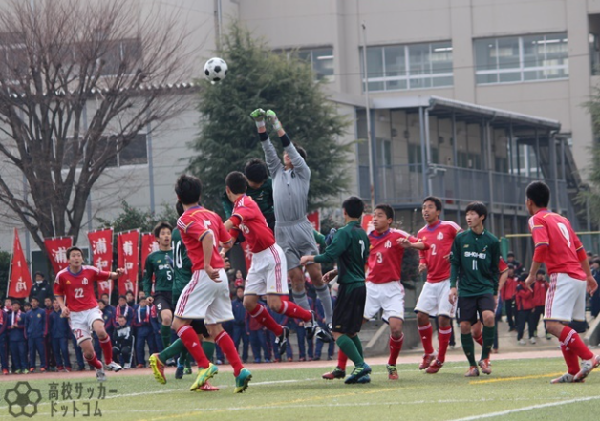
[57, 251]
[315, 221]
[129, 254]
[366, 220]
[19, 284]
[101, 245]
[247, 254]
[149, 245]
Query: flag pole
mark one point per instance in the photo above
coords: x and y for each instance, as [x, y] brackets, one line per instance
[12, 256]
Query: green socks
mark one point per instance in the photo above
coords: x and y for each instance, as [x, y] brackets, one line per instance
[347, 344]
[171, 351]
[209, 349]
[358, 345]
[177, 348]
[165, 335]
[468, 346]
[488, 341]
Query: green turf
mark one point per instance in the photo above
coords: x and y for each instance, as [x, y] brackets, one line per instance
[300, 394]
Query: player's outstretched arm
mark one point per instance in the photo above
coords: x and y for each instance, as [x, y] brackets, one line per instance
[300, 166]
[273, 161]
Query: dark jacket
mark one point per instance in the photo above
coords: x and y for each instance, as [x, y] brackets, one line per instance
[35, 323]
[59, 326]
[41, 291]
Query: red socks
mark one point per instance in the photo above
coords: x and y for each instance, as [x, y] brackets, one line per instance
[294, 311]
[478, 339]
[342, 360]
[262, 316]
[444, 335]
[106, 347]
[228, 348]
[573, 343]
[395, 347]
[192, 344]
[571, 359]
[426, 332]
[94, 361]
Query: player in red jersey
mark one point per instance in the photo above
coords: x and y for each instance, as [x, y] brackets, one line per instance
[206, 296]
[433, 300]
[268, 272]
[74, 292]
[568, 267]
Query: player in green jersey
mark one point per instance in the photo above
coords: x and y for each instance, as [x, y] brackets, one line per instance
[474, 265]
[159, 264]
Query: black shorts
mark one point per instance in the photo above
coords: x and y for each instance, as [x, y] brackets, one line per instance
[349, 309]
[163, 300]
[199, 327]
[469, 309]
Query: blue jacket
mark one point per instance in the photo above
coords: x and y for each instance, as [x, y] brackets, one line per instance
[59, 326]
[239, 312]
[126, 311]
[143, 316]
[16, 322]
[4, 322]
[108, 315]
[35, 323]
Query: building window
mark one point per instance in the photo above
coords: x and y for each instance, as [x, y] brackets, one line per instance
[404, 67]
[521, 59]
[321, 61]
[120, 57]
[135, 153]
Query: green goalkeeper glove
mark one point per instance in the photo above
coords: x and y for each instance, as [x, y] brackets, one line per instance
[258, 116]
[272, 117]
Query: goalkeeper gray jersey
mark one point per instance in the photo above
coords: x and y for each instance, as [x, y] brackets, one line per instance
[290, 187]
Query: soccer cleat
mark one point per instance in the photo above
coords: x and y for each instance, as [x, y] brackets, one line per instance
[282, 340]
[113, 366]
[242, 380]
[187, 370]
[272, 117]
[324, 334]
[258, 114]
[203, 375]
[207, 387]
[392, 372]
[427, 359]
[336, 373]
[100, 375]
[364, 380]
[486, 366]
[586, 367]
[472, 372]
[158, 368]
[357, 373]
[179, 370]
[434, 367]
[311, 327]
[565, 378]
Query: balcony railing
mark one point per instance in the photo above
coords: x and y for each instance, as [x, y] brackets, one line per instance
[400, 184]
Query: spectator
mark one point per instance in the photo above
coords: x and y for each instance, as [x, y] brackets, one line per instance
[319, 343]
[26, 307]
[524, 311]
[78, 354]
[595, 298]
[258, 338]
[510, 259]
[304, 353]
[4, 321]
[144, 332]
[240, 331]
[105, 297]
[130, 298]
[123, 309]
[18, 348]
[508, 293]
[108, 316]
[49, 308]
[8, 305]
[141, 295]
[60, 332]
[41, 289]
[123, 342]
[36, 330]
[540, 287]
[239, 279]
[282, 320]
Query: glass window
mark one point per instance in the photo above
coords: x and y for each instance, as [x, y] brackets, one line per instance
[321, 61]
[135, 153]
[402, 67]
[517, 59]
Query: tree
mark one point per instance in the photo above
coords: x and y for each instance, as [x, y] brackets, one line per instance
[589, 195]
[132, 218]
[5, 258]
[260, 78]
[78, 82]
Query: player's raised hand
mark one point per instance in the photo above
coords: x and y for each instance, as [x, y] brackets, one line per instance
[272, 117]
[258, 114]
[592, 285]
[453, 296]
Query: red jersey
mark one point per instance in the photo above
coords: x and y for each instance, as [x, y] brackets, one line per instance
[439, 237]
[564, 249]
[509, 290]
[539, 293]
[247, 218]
[524, 299]
[78, 288]
[385, 256]
[194, 224]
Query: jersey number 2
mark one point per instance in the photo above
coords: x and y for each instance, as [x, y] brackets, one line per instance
[78, 292]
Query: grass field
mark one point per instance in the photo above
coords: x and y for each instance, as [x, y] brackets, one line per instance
[517, 390]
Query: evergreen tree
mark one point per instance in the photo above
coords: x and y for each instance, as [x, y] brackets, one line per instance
[260, 78]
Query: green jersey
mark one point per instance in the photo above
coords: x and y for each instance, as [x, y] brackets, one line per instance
[474, 263]
[263, 196]
[350, 248]
[182, 265]
[160, 264]
[320, 240]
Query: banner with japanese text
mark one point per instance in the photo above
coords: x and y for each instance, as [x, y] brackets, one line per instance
[101, 245]
[57, 250]
[149, 245]
[315, 220]
[19, 284]
[366, 222]
[128, 254]
[247, 254]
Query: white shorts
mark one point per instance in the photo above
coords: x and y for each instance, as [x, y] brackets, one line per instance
[205, 299]
[565, 299]
[433, 300]
[268, 273]
[389, 297]
[81, 323]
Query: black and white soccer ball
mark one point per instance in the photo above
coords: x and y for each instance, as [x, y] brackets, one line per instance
[215, 69]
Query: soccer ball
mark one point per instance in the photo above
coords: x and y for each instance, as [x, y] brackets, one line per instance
[215, 69]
